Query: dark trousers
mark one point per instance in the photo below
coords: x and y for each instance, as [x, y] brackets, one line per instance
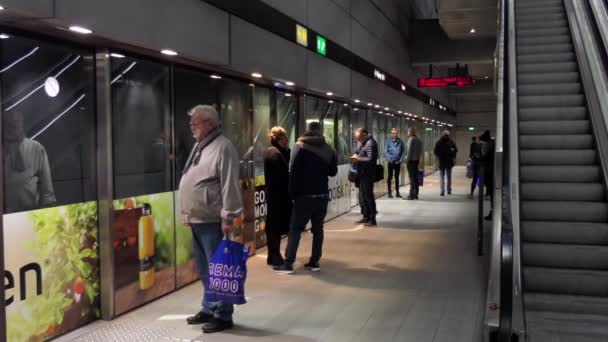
[367, 201]
[393, 168]
[412, 171]
[306, 209]
[488, 182]
[273, 240]
[475, 178]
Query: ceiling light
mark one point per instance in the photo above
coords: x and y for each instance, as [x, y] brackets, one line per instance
[346, 105]
[80, 29]
[399, 112]
[251, 85]
[330, 101]
[356, 109]
[289, 83]
[329, 93]
[487, 77]
[370, 104]
[256, 75]
[117, 55]
[472, 30]
[217, 77]
[168, 52]
[1, 8]
[357, 101]
[381, 112]
[377, 106]
[287, 94]
[385, 108]
[4, 36]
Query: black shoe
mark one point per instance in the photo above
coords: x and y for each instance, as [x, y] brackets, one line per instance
[416, 198]
[285, 269]
[371, 223]
[363, 220]
[313, 266]
[199, 318]
[489, 217]
[410, 198]
[449, 192]
[217, 325]
[390, 195]
[398, 195]
[442, 194]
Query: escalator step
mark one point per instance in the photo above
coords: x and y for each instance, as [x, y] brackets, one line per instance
[564, 303]
[556, 142]
[564, 211]
[548, 78]
[565, 232]
[541, 10]
[554, 127]
[584, 257]
[558, 31]
[544, 326]
[551, 100]
[588, 192]
[547, 67]
[553, 114]
[560, 173]
[541, 24]
[540, 4]
[526, 17]
[566, 281]
[544, 49]
[543, 90]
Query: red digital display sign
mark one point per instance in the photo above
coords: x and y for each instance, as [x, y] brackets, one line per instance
[439, 82]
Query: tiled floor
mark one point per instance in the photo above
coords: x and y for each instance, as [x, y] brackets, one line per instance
[415, 278]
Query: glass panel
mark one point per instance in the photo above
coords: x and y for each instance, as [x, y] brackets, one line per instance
[261, 127]
[190, 88]
[49, 152]
[143, 217]
[287, 106]
[344, 135]
[324, 112]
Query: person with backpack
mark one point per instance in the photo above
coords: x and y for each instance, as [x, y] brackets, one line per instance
[445, 151]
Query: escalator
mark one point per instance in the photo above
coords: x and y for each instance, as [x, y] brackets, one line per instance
[563, 208]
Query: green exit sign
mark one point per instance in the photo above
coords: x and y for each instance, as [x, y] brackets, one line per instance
[428, 129]
[471, 128]
[321, 45]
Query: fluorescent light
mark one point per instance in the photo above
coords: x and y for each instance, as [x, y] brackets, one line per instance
[357, 101]
[472, 30]
[168, 52]
[287, 94]
[256, 75]
[217, 77]
[4, 36]
[80, 29]
[117, 55]
[289, 83]
[329, 93]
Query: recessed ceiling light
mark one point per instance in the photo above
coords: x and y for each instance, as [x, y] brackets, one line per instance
[487, 77]
[356, 109]
[329, 93]
[330, 101]
[4, 36]
[168, 52]
[377, 106]
[289, 83]
[1, 8]
[80, 29]
[117, 55]
[251, 85]
[370, 104]
[472, 30]
[256, 75]
[357, 101]
[399, 112]
[287, 94]
[381, 112]
[346, 105]
[385, 108]
[217, 77]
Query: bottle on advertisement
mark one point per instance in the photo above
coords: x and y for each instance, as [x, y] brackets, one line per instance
[146, 248]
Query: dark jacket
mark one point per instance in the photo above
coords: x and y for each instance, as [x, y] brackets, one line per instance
[475, 151]
[276, 173]
[445, 151]
[413, 150]
[312, 162]
[394, 151]
[368, 158]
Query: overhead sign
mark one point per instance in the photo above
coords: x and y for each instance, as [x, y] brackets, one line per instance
[379, 75]
[438, 82]
[302, 35]
[321, 45]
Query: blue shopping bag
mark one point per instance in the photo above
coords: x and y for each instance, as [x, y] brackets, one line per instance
[227, 273]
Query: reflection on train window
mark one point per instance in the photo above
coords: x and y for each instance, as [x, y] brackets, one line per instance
[261, 126]
[323, 111]
[344, 135]
[48, 119]
[141, 127]
[287, 117]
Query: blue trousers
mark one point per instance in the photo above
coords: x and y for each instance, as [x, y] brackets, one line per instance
[206, 238]
[445, 173]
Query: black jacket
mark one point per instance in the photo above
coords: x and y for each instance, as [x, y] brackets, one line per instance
[445, 151]
[276, 173]
[312, 162]
[368, 157]
[475, 151]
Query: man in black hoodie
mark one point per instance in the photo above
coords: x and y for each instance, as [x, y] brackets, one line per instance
[312, 162]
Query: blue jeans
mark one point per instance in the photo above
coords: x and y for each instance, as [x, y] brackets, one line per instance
[306, 209]
[442, 174]
[206, 238]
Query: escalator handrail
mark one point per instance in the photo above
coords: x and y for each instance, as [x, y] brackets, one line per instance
[600, 12]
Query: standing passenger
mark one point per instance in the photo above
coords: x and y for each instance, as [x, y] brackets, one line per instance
[412, 157]
[394, 152]
[210, 199]
[487, 160]
[366, 161]
[475, 156]
[276, 173]
[445, 151]
[312, 162]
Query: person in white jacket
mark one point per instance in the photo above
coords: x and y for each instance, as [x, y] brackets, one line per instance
[210, 199]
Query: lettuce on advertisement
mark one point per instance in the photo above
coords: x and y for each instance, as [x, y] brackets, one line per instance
[52, 271]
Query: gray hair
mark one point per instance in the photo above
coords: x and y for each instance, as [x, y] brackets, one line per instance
[205, 112]
[446, 132]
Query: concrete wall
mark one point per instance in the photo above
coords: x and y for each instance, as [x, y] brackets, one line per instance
[201, 32]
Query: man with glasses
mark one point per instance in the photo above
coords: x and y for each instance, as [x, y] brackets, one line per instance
[210, 199]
